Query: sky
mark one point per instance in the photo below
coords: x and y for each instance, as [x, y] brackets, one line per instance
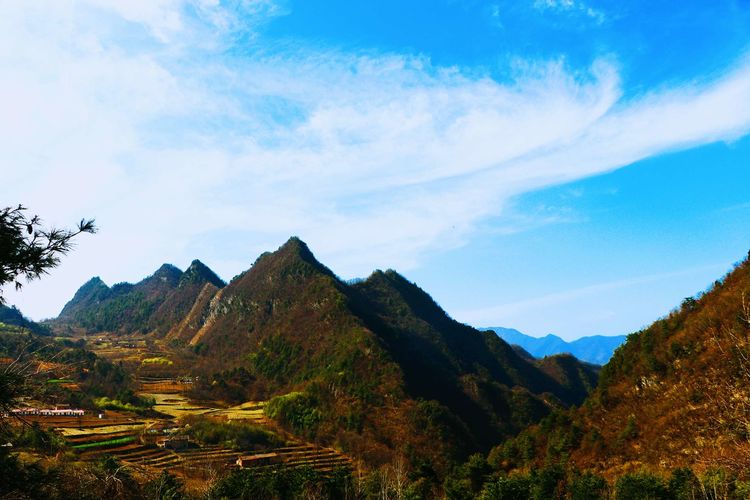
[574, 167]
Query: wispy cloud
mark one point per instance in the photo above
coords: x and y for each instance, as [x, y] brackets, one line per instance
[609, 308]
[571, 7]
[181, 132]
[536, 304]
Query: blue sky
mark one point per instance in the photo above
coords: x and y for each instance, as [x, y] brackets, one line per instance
[565, 166]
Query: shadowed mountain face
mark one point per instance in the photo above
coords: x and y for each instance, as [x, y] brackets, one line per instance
[155, 304]
[674, 394]
[596, 349]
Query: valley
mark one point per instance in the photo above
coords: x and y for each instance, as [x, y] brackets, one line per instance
[288, 381]
[161, 441]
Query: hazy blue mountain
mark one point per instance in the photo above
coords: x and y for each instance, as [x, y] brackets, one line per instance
[595, 349]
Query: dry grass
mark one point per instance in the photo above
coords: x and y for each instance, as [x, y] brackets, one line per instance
[109, 429]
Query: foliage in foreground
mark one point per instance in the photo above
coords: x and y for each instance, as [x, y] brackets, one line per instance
[478, 479]
[283, 483]
[27, 250]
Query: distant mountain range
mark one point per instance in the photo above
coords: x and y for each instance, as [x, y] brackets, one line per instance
[155, 304]
[597, 349]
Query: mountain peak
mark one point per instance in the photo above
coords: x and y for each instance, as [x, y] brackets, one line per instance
[167, 273]
[199, 272]
[296, 246]
[95, 281]
[167, 270]
[93, 291]
[388, 275]
[292, 253]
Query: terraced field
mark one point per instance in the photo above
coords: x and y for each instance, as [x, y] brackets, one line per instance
[323, 460]
[209, 456]
[120, 435]
[177, 405]
[85, 422]
[320, 459]
[125, 446]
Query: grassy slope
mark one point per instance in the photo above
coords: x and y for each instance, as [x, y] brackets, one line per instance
[675, 394]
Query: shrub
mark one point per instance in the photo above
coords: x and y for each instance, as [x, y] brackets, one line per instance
[235, 435]
[641, 486]
[281, 483]
[507, 488]
[297, 410]
[588, 486]
[683, 485]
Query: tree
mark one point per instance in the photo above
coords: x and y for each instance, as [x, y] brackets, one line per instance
[27, 250]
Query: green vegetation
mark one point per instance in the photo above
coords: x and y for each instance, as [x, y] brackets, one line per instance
[72, 363]
[478, 479]
[236, 435]
[157, 361]
[36, 438]
[378, 370]
[109, 442]
[282, 483]
[371, 366]
[155, 304]
[134, 404]
[63, 480]
[10, 316]
[297, 410]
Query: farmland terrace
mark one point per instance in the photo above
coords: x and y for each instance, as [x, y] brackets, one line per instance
[134, 439]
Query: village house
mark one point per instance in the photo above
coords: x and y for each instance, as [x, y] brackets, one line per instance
[258, 460]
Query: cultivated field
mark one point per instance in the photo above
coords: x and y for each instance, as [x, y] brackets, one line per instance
[131, 438]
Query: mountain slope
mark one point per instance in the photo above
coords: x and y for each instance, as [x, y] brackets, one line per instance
[186, 329]
[579, 378]
[179, 302]
[376, 367]
[675, 394]
[13, 317]
[286, 322]
[597, 349]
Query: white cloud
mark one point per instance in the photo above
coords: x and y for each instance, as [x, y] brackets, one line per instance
[571, 6]
[375, 160]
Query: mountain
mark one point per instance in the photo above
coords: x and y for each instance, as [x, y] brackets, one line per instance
[675, 394]
[196, 316]
[579, 378]
[377, 367]
[181, 299]
[154, 304]
[597, 349]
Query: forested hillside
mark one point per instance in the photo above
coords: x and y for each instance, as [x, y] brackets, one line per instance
[669, 418]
